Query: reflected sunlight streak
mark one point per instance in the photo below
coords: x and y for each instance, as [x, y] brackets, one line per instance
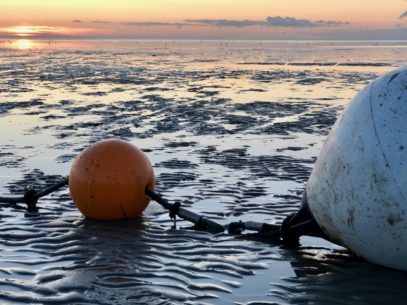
[23, 44]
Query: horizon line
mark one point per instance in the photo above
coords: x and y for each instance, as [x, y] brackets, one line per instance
[70, 38]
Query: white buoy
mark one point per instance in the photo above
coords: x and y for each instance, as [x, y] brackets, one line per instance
[357, 191]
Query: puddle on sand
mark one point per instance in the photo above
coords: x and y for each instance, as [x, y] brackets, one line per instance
[232, 129]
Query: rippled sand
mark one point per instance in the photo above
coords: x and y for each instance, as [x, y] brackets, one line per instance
[232, 130]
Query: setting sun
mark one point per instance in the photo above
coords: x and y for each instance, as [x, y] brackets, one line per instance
[22, 30]
[43, 31]
[199, 19]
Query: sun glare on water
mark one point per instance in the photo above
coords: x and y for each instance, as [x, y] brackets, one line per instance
[23, 44]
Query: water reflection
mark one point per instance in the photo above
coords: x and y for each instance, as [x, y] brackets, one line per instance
[23, 44]
[326, 277]
[233, 139]
[27, 44]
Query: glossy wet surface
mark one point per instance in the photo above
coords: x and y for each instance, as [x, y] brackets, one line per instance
[232, 130]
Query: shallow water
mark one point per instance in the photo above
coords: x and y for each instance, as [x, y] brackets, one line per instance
[232, 129]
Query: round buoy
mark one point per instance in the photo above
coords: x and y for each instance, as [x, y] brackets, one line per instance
[108, 180]
[357, 191]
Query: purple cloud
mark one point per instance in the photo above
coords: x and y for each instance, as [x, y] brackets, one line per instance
[271, 21]
[301, 23]
[225, 22]
[154, 23]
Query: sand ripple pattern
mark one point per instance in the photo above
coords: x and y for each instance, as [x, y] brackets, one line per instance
[59, 258]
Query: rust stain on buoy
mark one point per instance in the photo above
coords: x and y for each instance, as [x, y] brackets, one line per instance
[108, 180]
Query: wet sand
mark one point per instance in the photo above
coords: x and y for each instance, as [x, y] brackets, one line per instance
[232, 132]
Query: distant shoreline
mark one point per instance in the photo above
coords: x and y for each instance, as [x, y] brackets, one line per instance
[5, 39]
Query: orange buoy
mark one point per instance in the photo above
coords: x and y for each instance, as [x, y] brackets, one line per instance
[108, 180]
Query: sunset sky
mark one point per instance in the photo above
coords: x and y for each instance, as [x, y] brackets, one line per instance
[204, 19]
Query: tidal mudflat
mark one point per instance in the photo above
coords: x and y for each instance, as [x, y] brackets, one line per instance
[232, 130]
